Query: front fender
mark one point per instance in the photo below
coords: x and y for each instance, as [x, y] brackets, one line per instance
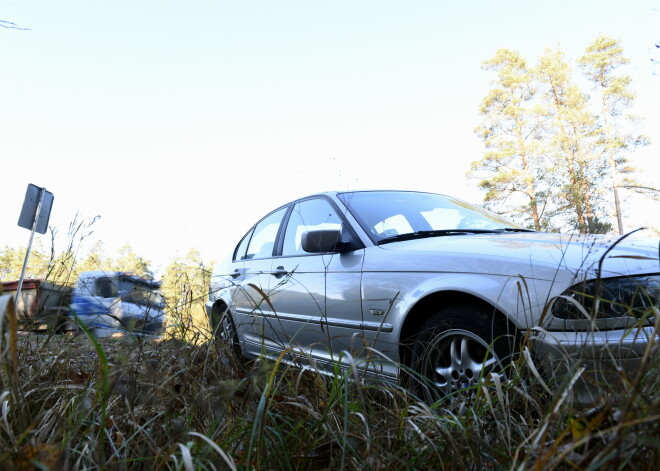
[398, 294]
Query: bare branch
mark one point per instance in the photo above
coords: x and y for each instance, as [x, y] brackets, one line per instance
[639, 187]
[10, 25]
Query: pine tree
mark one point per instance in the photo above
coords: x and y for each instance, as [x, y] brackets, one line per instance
[185, 287]
[95, 260]
[513, 162]
[572, 131]
[548, 150]
[601, 63]
[129, 261]
[6, 262]
[11, 263]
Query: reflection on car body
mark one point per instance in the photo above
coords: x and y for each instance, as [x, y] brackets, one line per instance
[433, 283]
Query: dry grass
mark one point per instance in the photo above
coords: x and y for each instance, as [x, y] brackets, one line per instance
[120, 403]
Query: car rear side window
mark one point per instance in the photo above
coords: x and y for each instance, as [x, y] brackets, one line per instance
[241, 250]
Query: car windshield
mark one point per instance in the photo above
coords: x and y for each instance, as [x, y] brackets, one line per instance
[399, 215]
[140, 292]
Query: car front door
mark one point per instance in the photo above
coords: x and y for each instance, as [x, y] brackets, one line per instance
[316, 297]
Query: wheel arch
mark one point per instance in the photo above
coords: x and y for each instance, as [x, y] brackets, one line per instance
[216, 311]
[418, 314]
[219, 306]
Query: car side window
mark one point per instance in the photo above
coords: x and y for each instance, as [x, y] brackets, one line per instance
[241, 250]
[263, 237]
[308, 215]
[105, 288]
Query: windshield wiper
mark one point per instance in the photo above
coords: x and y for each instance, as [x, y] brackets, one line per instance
[517, 229]
[436, 233]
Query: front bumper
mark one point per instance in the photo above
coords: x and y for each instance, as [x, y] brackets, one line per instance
[590, 365]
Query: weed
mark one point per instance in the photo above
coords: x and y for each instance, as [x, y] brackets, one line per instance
[119, 403]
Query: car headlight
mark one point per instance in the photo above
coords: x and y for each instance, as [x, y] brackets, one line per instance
[610, 297]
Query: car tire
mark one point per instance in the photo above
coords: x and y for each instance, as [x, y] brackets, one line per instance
[226, 335]
[457, 347]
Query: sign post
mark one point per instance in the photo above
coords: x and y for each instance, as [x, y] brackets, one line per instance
[34, 216]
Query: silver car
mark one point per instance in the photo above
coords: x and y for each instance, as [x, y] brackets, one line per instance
[431, 285]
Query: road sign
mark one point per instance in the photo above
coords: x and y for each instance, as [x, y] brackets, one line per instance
[34, 216]
[37, 205]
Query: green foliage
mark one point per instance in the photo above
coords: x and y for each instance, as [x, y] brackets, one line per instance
[617, 138]
[127, 260]
[572, 128]
[64, 268]
[185, 287]
[11, 263]
[549, 151]
[510, 130]
[95, 259]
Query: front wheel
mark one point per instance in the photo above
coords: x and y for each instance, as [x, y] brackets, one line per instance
[456, 348]
[225, 333]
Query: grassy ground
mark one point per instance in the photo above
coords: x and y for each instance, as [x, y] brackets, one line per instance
[76, 403]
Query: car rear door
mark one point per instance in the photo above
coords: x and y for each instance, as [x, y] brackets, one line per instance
[252, 264]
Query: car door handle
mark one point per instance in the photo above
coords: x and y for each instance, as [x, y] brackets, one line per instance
[236, 274]
[279, 272]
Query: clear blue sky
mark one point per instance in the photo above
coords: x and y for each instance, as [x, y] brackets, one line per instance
[181, 123]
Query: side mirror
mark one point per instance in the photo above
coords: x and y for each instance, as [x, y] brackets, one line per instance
[324, 241]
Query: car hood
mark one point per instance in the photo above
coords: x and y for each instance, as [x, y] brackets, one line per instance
[541, 253]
